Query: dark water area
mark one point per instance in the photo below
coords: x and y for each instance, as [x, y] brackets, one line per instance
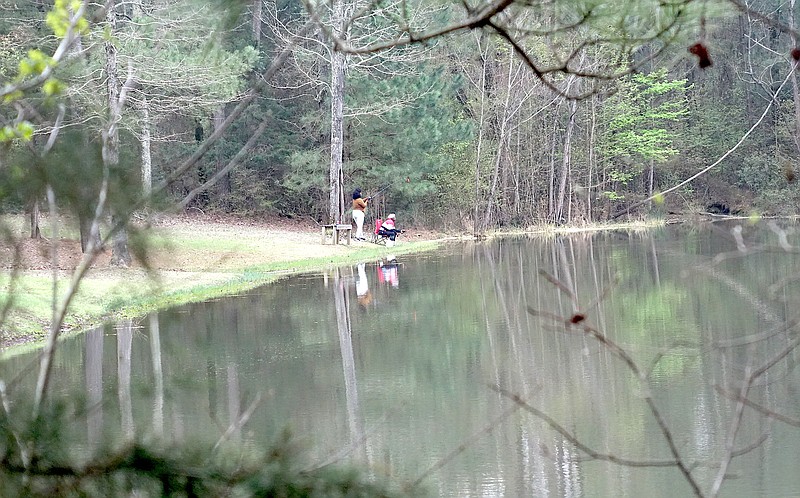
[463, 370]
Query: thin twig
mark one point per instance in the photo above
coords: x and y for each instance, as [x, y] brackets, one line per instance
[238, 423]
[487, 429]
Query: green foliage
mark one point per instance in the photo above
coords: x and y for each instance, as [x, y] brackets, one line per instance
[407, 148]
[22, 131]
[639, 115]
[59, 18]
[38, 458]
[640, 119]
[307, 183]
[455, 185]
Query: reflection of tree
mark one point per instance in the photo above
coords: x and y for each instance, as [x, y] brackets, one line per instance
[158, 376]
[234, 400]
[94, 385]
[124, 343]
[354, 417]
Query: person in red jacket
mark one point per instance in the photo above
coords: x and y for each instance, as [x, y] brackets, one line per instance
[388, 229]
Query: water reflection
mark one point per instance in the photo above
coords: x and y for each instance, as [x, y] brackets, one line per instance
[412, 393]
[124, 344]
[93, 368]
[355, 420]
[158, 376]
[362, 287]
[388, 272]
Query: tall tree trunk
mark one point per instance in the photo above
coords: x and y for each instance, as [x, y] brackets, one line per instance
[338, 75]
[565, 164]
[257, 12]
[86, 215]
[85, 227]
[35, 208]
[592, 158]
[476, 228]
[337, 111]
[551, 171]
[120, 256]
[502, 144]
[225, 182]
[147, 160]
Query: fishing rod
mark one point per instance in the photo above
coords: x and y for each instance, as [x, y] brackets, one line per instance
[380, 191]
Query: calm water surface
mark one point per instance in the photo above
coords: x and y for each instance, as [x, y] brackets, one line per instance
[410, 370]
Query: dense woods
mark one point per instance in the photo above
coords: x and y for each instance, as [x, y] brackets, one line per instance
[549, 115]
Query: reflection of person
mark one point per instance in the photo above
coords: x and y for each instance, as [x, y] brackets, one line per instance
[362, 287]
[388, 273]
[359, 206]
[388, 229]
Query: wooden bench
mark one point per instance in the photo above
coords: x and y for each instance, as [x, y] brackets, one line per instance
[337, 231]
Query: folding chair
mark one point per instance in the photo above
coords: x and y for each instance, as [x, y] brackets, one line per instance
[376, 237]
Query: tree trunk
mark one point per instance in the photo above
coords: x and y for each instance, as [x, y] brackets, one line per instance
[120, 256]
[502, 144]
[551, 172]
[338, 74]
[476, 228]
[225, 182]
[147, 160]
[337, 111]
[592, 159]
[565, 164]
[85, 227]
[257, 11]
[35, 232]
[86, 214]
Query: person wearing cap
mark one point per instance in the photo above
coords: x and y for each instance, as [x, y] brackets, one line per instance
[388, 229]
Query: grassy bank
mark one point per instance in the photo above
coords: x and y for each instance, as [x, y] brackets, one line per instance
[188, 260]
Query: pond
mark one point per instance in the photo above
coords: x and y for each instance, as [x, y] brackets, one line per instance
[604, 364]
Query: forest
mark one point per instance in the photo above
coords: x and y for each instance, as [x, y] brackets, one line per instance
[562, 114]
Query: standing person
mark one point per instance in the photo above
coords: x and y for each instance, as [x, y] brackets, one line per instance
[359, 206]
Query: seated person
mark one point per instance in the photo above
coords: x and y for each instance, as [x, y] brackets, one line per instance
[388, 228]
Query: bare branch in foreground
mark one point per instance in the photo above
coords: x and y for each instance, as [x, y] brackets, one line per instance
[759, 408]
[577, 442]
[488, 428]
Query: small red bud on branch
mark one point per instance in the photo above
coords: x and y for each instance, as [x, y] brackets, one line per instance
[701, 52]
